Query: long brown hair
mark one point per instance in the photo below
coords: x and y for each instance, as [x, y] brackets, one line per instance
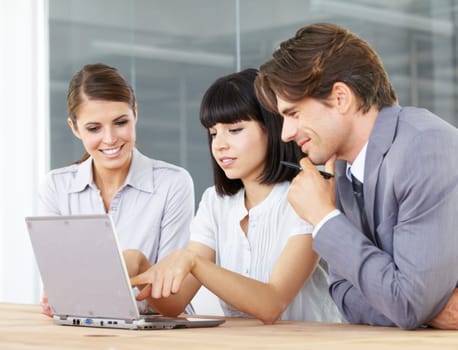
[97, 82]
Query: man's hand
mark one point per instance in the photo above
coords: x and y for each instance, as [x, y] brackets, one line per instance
[448, 317]
[312, 196]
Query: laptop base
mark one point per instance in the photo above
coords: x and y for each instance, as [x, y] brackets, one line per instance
[154, 323]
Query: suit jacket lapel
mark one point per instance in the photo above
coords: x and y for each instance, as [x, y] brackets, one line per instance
[380, 141]
[345, 191]
[346, 199]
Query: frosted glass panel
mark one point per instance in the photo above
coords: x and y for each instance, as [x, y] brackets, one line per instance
[172, 50]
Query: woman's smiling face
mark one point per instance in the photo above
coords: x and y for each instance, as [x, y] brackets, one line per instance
[107, 130]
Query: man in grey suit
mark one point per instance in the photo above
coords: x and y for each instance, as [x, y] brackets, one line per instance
[389, 230]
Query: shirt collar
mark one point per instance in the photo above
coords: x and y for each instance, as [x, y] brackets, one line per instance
[357, 168]
[271, 198]
[83, 176]
[240, 210]
[135, 177]
[140, 174]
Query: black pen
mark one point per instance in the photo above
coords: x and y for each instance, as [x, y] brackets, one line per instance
[299, 168]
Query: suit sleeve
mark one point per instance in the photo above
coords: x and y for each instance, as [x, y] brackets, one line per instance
[409, 286]
[353, 304]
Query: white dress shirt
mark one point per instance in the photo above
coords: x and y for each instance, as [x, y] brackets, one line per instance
[357, 168]
[271, 224]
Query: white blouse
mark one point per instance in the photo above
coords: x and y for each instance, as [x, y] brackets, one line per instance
[152, 211]
[271, 224]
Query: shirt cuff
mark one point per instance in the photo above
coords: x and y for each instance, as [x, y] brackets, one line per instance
[328, 217]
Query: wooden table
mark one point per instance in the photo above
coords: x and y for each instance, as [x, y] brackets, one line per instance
[23, 327]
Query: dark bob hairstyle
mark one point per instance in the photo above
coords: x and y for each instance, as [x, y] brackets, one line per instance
[231, 99]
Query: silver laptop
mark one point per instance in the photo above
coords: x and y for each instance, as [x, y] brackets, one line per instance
[85, 277]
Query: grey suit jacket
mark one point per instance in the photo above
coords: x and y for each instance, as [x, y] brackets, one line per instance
[405, 270]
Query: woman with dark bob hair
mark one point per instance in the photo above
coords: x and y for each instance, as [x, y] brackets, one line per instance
[247, 245]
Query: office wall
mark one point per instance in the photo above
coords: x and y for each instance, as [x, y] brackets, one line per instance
[172, 50]
[23, 139]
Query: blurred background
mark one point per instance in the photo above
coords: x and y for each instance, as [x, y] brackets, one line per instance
[171, 51]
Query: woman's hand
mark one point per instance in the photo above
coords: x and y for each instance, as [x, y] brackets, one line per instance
[165, 277]
[45, 307]
[136, 262]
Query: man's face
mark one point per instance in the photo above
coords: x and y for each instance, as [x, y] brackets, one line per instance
[317, 127]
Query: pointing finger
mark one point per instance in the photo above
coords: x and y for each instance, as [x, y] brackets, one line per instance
[140, 279]
[144, 293]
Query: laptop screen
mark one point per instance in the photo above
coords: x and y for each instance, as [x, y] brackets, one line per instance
[81, 266]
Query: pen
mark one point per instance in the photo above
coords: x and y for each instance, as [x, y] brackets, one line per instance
[298, 167]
